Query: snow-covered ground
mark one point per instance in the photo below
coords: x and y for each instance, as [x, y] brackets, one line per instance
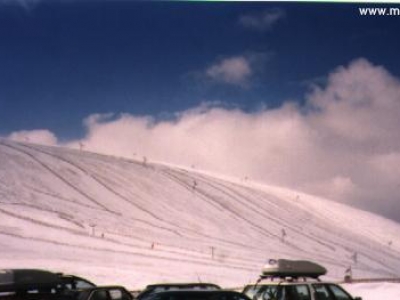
[374, 291]
[127, 222]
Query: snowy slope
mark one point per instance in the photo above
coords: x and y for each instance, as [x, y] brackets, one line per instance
[115, 220]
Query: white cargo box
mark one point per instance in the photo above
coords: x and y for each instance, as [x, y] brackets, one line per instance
[292, 268]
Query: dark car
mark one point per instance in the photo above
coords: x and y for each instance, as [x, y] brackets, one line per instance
[102, 293]
[29, 281]
[297, 290]
[39, 284]
[154, 288]
[95, 293]
[197, 295]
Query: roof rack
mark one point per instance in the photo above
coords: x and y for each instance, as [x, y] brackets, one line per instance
[285, 269]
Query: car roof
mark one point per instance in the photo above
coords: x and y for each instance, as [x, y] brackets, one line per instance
[105, 287]
[198, 292]
[287, 282]
[152, 288]
[183, 284]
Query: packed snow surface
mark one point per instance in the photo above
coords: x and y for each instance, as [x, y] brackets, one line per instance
[374, 291]
[120, 221]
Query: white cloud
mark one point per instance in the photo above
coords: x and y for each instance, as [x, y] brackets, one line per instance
[262, 21]
[234, 70]
[346, 146]
[360, 103]
[40, 136]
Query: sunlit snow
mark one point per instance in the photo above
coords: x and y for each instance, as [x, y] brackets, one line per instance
[119, 221]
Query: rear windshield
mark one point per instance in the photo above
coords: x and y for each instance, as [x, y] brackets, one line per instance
[278, 292]
[200, 296]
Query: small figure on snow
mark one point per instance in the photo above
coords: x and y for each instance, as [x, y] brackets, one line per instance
[348, 275]
[283, 232]
[354, 257]
[194, 184]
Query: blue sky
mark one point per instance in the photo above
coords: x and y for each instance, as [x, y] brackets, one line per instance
[301, 95]
[64, 60]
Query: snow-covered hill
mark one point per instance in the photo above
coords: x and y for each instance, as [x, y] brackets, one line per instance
[128, 222]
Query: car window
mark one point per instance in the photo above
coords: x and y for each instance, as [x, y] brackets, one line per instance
[251, 290]
[321, 292]
[295, 292]
[83, 284]
[265, 292]
[198, 296]
[81, 295]
[99, 295]
[339, 293]
[225, 296]
[118, 294]
[238, 297]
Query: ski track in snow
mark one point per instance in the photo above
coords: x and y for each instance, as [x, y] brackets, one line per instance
[117, 209]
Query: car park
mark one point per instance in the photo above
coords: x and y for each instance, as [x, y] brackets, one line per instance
[283, 279]
[160, 287]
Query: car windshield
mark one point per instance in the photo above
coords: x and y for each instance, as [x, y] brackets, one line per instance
[199, 296]
[278, 292]
[172, 287]
[150, 290]
[74, 282]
